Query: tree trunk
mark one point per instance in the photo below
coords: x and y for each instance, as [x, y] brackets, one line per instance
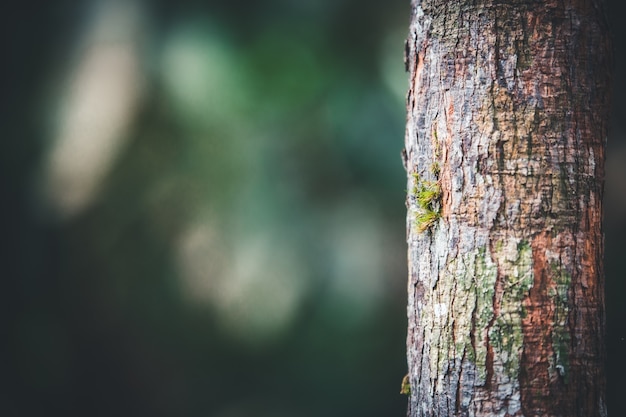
[506, 130]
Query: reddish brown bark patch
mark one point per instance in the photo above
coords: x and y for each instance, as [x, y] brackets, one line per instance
[537, 326]
[562, 325]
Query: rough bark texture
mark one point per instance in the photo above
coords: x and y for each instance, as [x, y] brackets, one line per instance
[507, 122]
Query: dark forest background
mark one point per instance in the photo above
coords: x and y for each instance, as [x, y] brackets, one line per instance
[203, 209]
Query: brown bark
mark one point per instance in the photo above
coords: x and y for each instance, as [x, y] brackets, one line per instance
[506, 128]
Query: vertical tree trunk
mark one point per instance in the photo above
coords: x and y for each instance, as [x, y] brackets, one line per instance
[507, 122]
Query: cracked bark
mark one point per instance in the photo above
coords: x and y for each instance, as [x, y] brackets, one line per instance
[507, 114]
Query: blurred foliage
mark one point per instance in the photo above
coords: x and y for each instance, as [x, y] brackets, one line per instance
[243, 253]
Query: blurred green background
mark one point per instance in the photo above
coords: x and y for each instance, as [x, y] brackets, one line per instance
[203, 209]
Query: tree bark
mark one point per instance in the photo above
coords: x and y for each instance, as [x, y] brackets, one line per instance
[506, 130]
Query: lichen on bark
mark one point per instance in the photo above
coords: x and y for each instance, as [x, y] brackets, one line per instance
[506, 333]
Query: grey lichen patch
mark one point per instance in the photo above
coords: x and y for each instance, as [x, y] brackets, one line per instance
[425, 197]
[486, 274]
[462, 308]
[561, 339]
[505, 335]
